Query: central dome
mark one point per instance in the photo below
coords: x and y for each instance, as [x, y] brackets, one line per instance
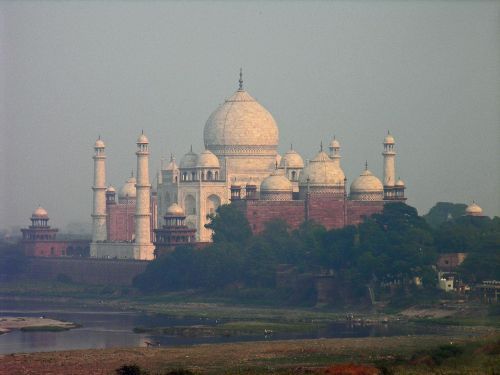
[240, 124]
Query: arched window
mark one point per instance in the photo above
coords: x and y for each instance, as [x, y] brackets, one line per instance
[209, 175]
[294, 175]
[190, 205]
[213, 202]
[216, 175]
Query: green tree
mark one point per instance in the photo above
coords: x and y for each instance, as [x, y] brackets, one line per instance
[229, 225]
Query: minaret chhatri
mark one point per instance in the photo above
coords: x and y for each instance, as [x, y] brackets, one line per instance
[389, 161]
[143, 195]
[335, 151]
[99, 232]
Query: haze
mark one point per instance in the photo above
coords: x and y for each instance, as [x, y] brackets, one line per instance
[70, 71]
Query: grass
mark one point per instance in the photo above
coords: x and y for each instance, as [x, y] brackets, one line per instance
[45, 329]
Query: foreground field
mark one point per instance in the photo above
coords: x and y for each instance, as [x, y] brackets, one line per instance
[395, 355]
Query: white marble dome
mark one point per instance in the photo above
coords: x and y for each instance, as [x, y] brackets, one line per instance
[99, 144]
[189, 160]
[400, 183]
[322, 171]
[142, 139]
[292, 159]
[207, 159]
[240, 121]
[389, 139]
[276, 182]
[367, 183]
[175, 210]
[40, 213]
[473, 210]
[111, 189]
[128, 189]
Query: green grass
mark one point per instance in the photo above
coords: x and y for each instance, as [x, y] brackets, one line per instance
[45, 329]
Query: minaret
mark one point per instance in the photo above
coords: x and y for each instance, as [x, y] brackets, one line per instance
[99, 232]
[389, 165]
[335, 151]
[143, 245]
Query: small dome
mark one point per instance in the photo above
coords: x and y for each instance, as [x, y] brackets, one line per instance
[322, 171]
[40, 213]
[189, 160]
[128, 190]
[99, 143]
[366, 183]
[276, 183]
[334, 143]
[111, 189]
[400, 183]
[142, 139]
[292, 159]
[240, 121]
[473, 210]
[208, 160]
[175, 210]
[389, 139]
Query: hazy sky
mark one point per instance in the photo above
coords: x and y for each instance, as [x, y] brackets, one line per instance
[69, 71]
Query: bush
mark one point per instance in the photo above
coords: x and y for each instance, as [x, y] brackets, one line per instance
[131, 370]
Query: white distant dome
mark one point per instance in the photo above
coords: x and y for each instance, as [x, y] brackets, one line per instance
[40, 213]
[292, 159]
[172, 166]
[276, 187]
[208, 160]
[473, 210]
[334, 143]
[400, 183]
[99, 143]
[239, 123]
[389, 139]
[189, 160]
[111, 189]
[276, 182]
[142, 139]
[367, 187]
[128, 189]
[175, 210]
[322, 172]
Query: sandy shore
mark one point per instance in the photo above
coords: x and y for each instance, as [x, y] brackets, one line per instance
[9, 323]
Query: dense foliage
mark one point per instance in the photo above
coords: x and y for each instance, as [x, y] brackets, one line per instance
[443, 212]
[392, 247]
[13, 262]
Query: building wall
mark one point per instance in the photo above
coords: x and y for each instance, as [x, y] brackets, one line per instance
[87, 271]
[55, 248]
[450, 261]
[330, 213]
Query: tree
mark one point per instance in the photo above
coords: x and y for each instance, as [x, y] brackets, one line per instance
[443, 212]
[229, 225]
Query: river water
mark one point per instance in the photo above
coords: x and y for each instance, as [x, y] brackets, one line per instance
[108, 329]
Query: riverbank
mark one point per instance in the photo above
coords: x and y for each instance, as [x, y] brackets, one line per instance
[9, 323]
[450, 354]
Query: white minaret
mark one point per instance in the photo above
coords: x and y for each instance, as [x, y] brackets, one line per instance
[335, 151]
[389, 161]
[99, 232]
[144, 248]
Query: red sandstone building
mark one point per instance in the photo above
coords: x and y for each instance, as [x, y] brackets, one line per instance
[39, 239]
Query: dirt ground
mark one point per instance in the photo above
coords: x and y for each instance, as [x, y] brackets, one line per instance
[222, 358]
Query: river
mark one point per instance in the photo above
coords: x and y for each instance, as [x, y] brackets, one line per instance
[107, 329]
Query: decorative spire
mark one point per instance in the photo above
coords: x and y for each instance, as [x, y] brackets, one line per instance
[321, 146]
[132, 173]
[191, 148]
[366, 165]
[291, 146]
[142, 131]
[241, 80]
[172, 157]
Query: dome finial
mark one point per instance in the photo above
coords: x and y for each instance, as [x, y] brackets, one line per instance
[321, 146]
[291, 146]
[171, 157]
[366, 165]
[132, 173]
[191, 148]
[241, 80]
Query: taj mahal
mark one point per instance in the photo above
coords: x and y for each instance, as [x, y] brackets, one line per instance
[240, 164]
